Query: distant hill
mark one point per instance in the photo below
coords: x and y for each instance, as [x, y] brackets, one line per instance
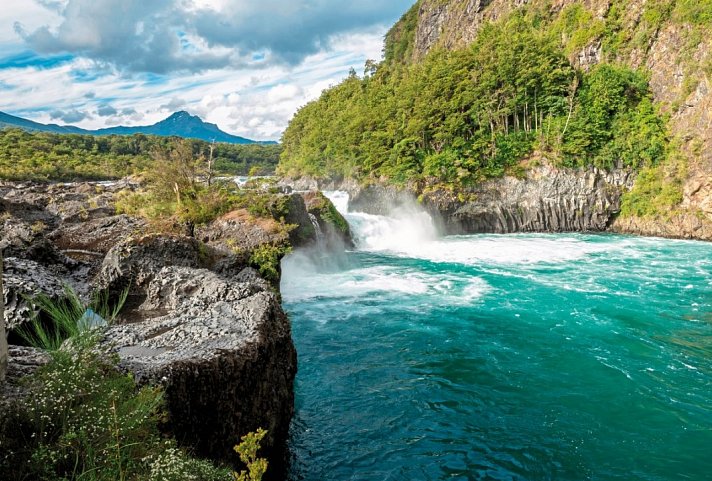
[180, 124]
[7, 120]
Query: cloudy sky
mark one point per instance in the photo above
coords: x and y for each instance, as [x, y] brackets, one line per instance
[246, 65]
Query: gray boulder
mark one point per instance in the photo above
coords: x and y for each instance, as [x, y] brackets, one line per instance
[23, 279]
[3, 337]
[222, 350]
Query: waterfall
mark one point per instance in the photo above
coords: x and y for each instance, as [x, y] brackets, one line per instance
[405, 230]
[340, 199]
[317, 229]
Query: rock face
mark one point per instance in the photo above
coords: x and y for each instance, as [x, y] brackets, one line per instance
[24, 279]
[3, 337]
[547, 200]
[332, 230]
[212, 333]
[223, 355]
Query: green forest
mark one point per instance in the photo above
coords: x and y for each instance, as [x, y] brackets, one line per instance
[45, 156]
[510, 98]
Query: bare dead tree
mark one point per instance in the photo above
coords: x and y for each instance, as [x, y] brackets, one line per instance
[210, 163]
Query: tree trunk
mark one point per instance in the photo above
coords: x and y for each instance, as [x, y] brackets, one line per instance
[573, 89]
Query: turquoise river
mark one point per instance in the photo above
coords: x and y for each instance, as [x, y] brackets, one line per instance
[519, 357]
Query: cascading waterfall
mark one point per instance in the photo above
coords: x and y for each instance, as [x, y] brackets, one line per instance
[405, 230]
[532, 356]
[317, 229]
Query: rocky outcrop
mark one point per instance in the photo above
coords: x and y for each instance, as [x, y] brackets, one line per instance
[24, 279]
[332, 230]
[24, 361]
[452, 24]
[380, 199]
[15, 396]
[548, 199]
[198, 320]
[93, 238]
[212, 333]
[222, 352]
[329, 229]
[3, 337]
[682, 225]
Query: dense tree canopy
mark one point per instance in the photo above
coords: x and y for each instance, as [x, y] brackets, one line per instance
[45, 156]
[465, 115]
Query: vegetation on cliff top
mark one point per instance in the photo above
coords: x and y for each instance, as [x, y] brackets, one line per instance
[459, 117]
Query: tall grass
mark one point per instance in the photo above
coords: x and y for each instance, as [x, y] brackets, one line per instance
[86, 420]
[58, 320]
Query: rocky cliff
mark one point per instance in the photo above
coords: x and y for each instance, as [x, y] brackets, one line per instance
[199, 320]
[670, 39]
[547, 199]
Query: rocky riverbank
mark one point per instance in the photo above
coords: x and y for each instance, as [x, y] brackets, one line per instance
[200, 320]
[544, 199]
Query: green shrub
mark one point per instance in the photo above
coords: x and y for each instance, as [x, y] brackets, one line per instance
[658, 189]
[86, 420]
[266, 259]
[69, 317]
[46, 156]
[247, 449]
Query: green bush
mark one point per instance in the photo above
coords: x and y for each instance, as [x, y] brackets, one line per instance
[46, 156]
[266, 259]
[658, 190]
[247, 449]
[88, 421]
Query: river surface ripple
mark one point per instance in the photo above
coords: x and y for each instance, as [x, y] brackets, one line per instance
[518, 357]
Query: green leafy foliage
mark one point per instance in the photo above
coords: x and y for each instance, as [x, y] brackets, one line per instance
[175, 194]
[658, 190]
[45, 156]
[462, 116]
[266, 259]
[88, 421]
[247, 449]
[614, 122]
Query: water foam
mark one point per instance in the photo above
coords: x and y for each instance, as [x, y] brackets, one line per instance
[302, 281]
[410, 232]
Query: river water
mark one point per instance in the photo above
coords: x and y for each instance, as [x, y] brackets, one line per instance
[518, 357]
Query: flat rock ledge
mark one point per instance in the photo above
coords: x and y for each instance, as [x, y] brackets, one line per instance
[223, 353]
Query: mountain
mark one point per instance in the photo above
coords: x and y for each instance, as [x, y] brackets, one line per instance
[7, 120]
[180, 124]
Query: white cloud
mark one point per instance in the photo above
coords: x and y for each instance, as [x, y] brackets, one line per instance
[33, 15]
[255, 101]
[163, 36]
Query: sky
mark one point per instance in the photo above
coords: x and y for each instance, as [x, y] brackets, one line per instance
[246, 65]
